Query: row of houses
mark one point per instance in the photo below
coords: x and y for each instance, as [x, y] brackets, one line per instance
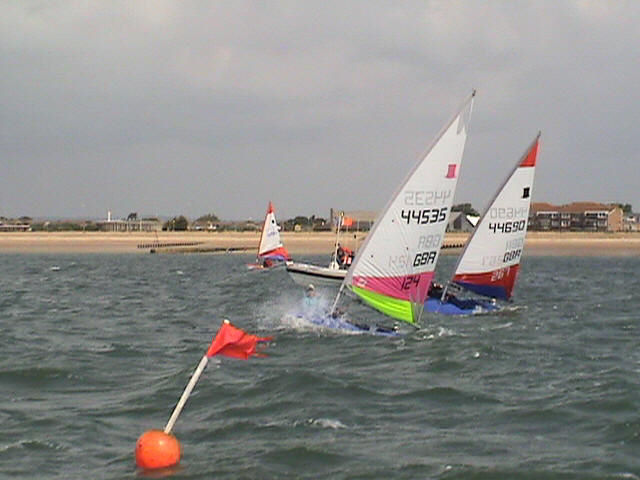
[572, 217]
[581, 216]
[576, 216]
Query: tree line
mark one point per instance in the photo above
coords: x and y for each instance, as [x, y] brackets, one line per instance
[211, 221]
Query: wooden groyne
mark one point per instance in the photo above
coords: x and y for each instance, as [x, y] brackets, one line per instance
[168, 244]
[453, 245]
[200, 249]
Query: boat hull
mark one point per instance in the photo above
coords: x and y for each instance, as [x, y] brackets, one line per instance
[338, 323]
[261, 267]
[460, 307]
[305, 273]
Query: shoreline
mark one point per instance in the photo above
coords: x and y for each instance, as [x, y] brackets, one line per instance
[302, 243]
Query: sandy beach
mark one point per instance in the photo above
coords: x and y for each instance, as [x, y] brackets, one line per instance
[537, 243]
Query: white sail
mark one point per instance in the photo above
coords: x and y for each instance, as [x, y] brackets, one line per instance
[490, 262]
[395, 265]
[270, 244]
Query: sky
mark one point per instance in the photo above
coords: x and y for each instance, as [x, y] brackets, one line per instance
[194, 107]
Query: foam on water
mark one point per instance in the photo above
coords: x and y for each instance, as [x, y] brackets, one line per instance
[327, 423]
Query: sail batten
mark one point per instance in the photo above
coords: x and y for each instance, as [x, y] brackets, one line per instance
[395, 265]
[490, 262]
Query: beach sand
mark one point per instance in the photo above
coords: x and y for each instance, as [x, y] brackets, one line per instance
[537, 243]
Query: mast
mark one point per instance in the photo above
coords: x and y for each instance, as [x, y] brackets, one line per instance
[264, 227]
[389, 272]
[334, 255]
[528, 159]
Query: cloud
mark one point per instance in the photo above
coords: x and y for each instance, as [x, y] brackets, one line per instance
[191, 107]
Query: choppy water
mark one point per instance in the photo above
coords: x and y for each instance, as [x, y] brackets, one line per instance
[96, 349]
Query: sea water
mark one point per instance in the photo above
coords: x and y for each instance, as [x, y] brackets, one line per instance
[96, 349]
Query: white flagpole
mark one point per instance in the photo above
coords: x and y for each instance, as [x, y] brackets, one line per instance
[334, 256]
[185, 394]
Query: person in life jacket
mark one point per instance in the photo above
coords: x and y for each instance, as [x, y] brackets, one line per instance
[344, 256]
[348, 257]
[310, 301]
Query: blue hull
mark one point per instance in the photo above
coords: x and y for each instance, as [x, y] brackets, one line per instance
[338, 323]
[459, 307]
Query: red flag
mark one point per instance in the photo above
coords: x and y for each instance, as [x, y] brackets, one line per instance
[233, 342]
[347, 221]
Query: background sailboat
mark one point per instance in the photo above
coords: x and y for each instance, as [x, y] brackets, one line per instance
[490, 261]
[270, 248]
[395, 265]
[329, 276]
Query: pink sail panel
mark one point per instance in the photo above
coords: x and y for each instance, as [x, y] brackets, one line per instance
[413, 288]
[395, 264]
[495, 284]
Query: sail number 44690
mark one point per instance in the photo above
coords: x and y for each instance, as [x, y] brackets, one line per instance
[508, 227]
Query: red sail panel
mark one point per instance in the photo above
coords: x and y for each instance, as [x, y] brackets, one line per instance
[530, 158]
[495, 284]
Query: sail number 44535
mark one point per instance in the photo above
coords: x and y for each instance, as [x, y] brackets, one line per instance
[424, 216]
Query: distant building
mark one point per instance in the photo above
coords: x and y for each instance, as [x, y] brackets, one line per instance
[321, 225]
[462, 222]
[129, 225]
[577, 216]
[204, 226]
[14, 227]
[632, 222]
[360, 220]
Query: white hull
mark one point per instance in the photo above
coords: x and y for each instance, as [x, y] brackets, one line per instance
[306, 273]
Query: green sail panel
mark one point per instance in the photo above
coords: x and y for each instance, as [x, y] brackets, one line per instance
[393, 307]
[396, 263]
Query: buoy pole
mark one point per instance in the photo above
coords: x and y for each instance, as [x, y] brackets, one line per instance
[185, 395]
[161, 449]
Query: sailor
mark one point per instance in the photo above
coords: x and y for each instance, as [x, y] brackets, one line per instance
[347, 257]
[340, 255]
[310, 299]
[435, 290]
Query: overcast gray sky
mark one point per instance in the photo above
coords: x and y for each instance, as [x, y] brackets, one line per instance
[191, 107]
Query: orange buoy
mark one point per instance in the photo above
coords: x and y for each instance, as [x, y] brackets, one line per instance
[156, 449]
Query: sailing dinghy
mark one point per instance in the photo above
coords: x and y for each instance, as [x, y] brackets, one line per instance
[395, 265]
[490, 261]
[270, 249]
[305, 273]
[330, 276]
